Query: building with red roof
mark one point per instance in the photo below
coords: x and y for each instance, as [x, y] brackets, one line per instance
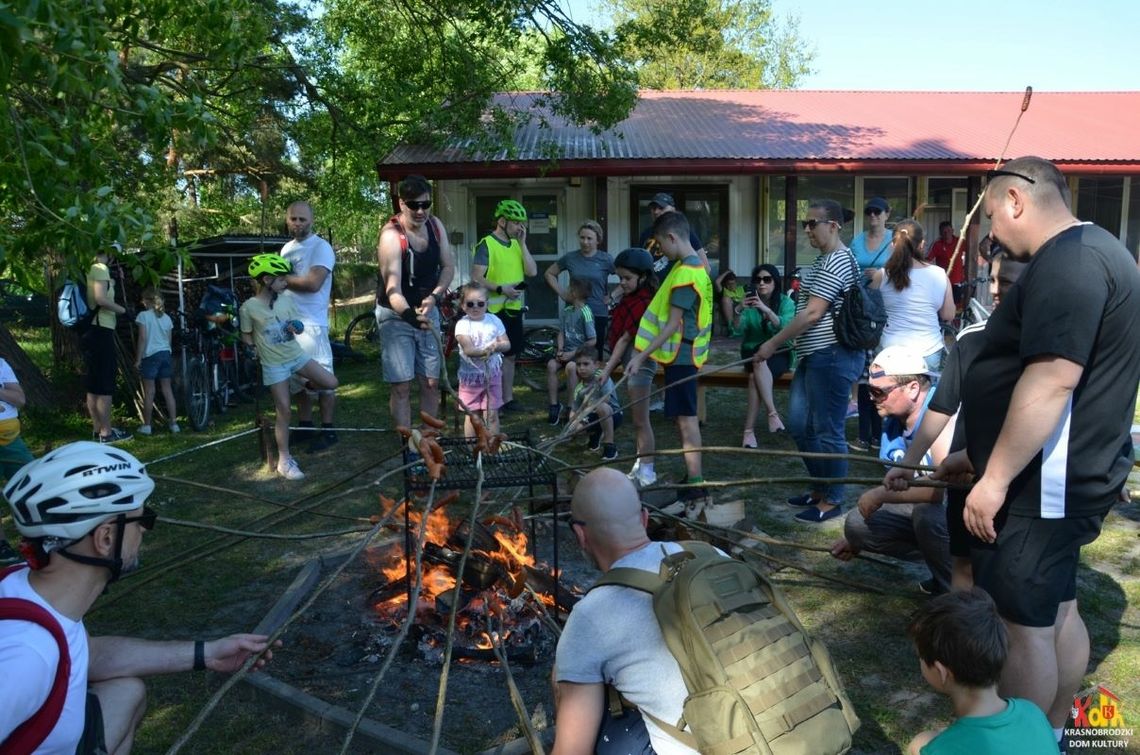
[743, 165]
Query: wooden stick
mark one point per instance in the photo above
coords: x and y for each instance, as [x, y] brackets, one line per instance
[517, 701]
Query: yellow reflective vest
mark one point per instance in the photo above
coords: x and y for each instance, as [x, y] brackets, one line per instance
[504, 268]
[657, 314]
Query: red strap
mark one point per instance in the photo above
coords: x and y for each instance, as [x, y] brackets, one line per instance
[30, 734]
[394, 221]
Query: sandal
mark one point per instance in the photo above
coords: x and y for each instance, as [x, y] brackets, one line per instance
[749, 439]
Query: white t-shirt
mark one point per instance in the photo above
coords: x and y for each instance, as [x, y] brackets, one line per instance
[7, 377]
[612, 636]
[29, 658]
[312, 252]
[158, 328]
[912, 314]
[482, 333]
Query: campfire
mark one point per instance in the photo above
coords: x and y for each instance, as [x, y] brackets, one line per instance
[503, 594]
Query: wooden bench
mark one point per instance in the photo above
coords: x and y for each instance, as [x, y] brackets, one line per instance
[732, 377]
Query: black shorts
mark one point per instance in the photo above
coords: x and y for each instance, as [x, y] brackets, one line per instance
[778, 364]
[680, 400]
[1032, 568]
[99, 355]
[961, 540]
[593, 418]
[94, 740]
[513, 322]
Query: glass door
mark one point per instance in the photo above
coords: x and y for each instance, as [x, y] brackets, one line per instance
[705, 207]
[541, 240]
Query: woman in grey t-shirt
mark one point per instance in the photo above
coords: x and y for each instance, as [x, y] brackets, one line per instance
[593, 265]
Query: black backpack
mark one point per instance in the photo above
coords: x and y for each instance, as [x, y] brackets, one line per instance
[858, 323]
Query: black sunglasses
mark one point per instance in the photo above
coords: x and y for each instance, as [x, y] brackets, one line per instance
[880, 394]
[872, 211]
[474, 304]
[413, 205]
[992, 174]
[811, 223]
[147, 521]
[763, 279]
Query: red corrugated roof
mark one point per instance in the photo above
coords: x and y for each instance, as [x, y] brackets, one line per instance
[697, 130]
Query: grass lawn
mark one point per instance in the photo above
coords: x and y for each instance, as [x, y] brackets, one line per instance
[194, 583]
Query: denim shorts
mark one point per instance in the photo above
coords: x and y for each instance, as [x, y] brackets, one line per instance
[314, 341]
[271, 374]
[643, 378]
[158, 366]
[406, 352]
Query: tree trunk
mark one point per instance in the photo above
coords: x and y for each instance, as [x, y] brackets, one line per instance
[39, 392]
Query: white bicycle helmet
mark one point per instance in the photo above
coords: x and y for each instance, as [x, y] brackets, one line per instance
[70, 491]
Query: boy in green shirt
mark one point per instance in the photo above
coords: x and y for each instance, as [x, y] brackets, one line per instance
[962, 646]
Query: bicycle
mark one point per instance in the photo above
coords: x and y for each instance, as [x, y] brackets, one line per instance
[362, 336]
[216, 372]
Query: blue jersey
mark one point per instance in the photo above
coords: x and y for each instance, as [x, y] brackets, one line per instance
[896, 439]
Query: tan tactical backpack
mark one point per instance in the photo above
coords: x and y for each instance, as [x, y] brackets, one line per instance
[757, 683]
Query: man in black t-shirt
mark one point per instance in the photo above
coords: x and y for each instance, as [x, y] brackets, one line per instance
[662, 203]
[1048, 405]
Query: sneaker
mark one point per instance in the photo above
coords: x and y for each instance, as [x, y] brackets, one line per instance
[609, 451]
[800, 501]
[8, 554]
[511, 406]
[658, 405]
[815, 515]
[555, 414]
[749, 439]
[852, 409]
[676, 508]
[875, 445]
[143, 430]
[645, 478]
[115, 436]
[288, 469]
[595, 440]
[301, 435]
[929, 587]
[325, 439]
[174, 428]
[858, 445]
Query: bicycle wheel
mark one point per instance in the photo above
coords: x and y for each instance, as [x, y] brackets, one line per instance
[362, 338]
[530, 364]
[196, 397]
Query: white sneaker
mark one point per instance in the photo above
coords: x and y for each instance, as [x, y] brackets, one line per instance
[143, 430]
[656, 406]
[174, 428]
[634, 470]
[645, 478]
[288, 469]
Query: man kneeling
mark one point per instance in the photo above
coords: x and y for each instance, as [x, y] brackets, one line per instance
[908, 524]
[80, 510]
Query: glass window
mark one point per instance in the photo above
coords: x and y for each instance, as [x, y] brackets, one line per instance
[808, 188]
[1100, 200]
[940, 191]
[1133, 239]
[774, 231]
[895, 190]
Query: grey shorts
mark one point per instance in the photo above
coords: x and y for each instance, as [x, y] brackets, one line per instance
[406, 352]
[644, 377]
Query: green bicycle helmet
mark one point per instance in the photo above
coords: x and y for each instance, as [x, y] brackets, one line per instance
[269, 264]
[511, 210]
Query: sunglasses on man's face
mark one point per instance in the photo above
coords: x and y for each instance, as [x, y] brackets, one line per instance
[872, 211]
[474, 304]
[811, 223]
[413, 205]
[879, 395]
[147, 521]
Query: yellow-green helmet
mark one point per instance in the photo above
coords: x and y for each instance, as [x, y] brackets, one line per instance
[511, 210]
[269, 264]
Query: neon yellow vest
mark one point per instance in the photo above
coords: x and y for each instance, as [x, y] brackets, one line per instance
[657, 314]
[504, 268]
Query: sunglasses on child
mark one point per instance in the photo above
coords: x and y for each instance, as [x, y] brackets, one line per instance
[473, 304]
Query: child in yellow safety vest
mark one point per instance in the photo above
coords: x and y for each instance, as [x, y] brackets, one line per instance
[676, 331]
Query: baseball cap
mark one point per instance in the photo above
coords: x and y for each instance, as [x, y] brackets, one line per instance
[877, 203]
[898, 360]
[662, 199]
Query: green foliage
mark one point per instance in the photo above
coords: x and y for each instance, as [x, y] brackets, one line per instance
[710, 44]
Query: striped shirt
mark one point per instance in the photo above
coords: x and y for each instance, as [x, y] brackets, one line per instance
[827, 278]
